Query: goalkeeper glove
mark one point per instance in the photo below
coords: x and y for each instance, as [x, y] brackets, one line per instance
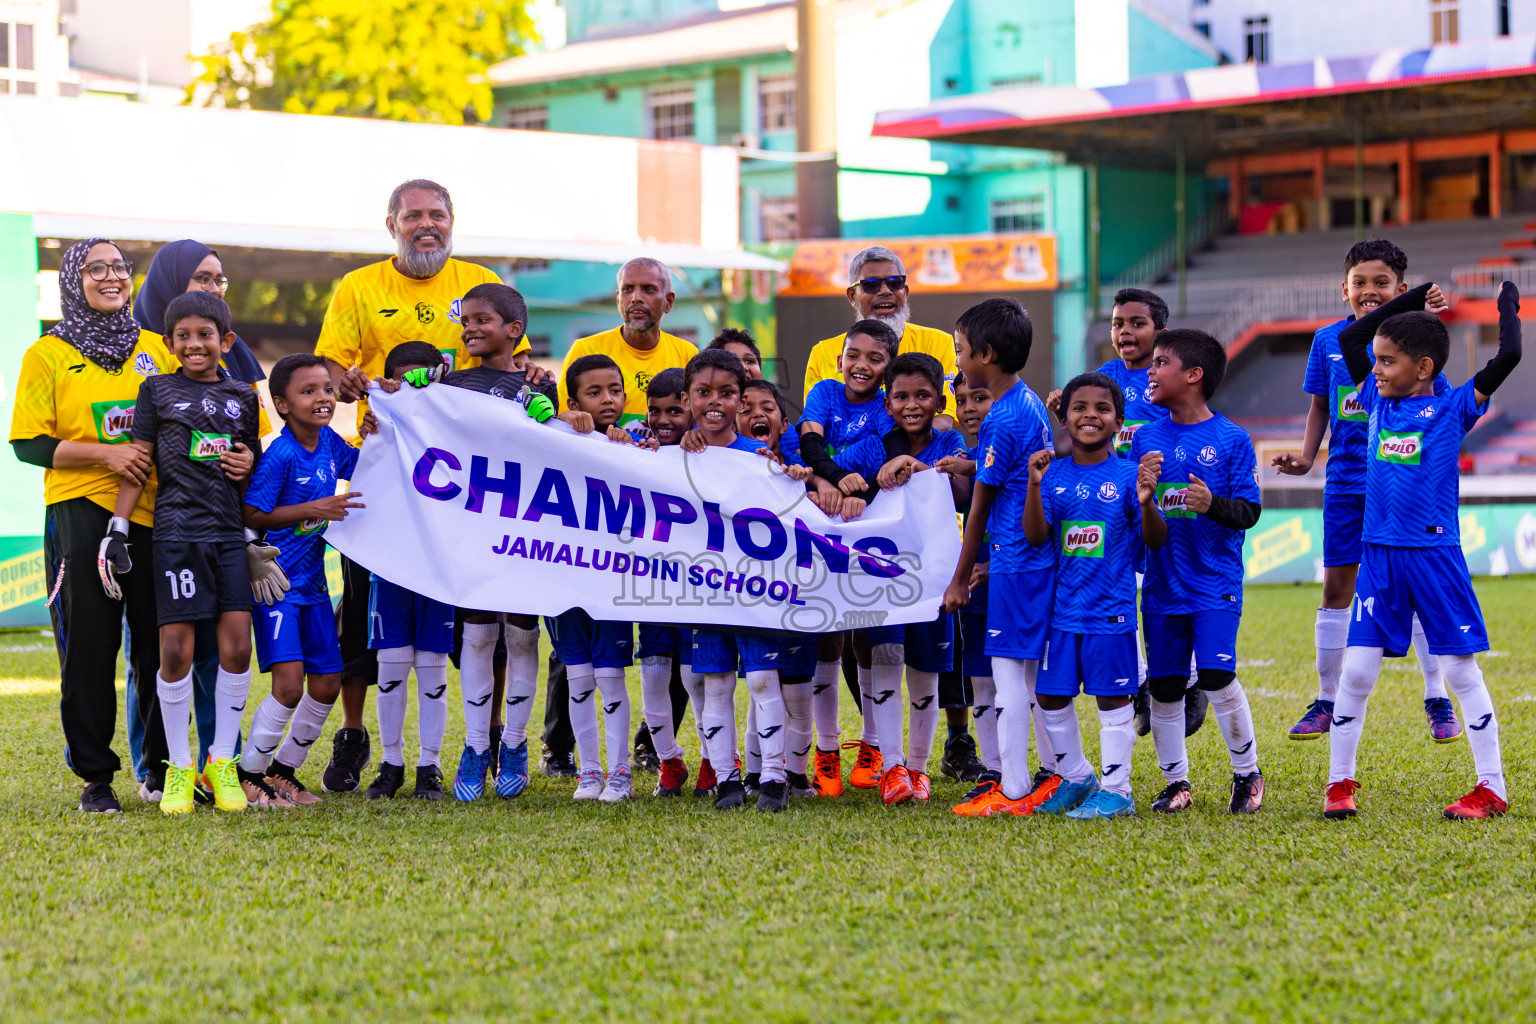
[423, 375]
[112, 557]
[538, 405]
[269, 584]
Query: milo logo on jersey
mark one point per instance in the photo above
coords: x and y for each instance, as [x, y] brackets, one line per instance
[1126, 433]
[450, 356]
[1082, 539]
[114, 421]
[1170, 501]
[1401, 448]
[208, 447]
[1347, 402]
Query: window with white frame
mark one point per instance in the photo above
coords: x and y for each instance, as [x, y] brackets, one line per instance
[1444, 21]
[779, 216]
[671, 111]
[776, 103]
[1256, 39]
[1018, 213]
[529, 117]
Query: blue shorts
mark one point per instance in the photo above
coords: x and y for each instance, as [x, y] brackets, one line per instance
[399, 618]
[797, 661]
[973, 635]
[657, 641]
[715, 652]
[929, 646]
[1103, 663]
[288, 631]
[1211, 635]
[1394, 583]
[1019, 613]
[1343, 526]
[578, 639]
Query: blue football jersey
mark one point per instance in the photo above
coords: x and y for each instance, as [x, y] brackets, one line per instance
[1139, 410]
[288, 474]
[1015, 428]
[1200, 568]
[844, 422]
[743, 443]
[1095, 524]
[1412, 481]
[974, 454]
[866, 455]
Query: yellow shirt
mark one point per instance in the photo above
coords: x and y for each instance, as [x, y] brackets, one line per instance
[823, 361]
[60, 393]
[636, 366]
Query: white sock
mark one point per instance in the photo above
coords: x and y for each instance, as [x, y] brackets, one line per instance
[1067, 741]
[584, 699]
[1332, 635]
[1117, 735]
[308, 723]
[754, 759]
[984, 711]
[1466, 681]
[1013, 677]
[656, 705]
[824, 688]
[1429, 664]
[866, 678]
[176, 712]
[1168, 739]
[1361, 667]
[431, 705]
[394, 669]
[797, 726]
[610, 682]
[477, 682]
[763, 688]
[266, 734]
[522, 684]
[923, 693]
[1043, 745]
[1236, 720]
[230, 690]
[693, 682]
[720, 723]
[887, 712]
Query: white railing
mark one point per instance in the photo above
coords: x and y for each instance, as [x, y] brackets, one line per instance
[1479, 282]
[1306, 298]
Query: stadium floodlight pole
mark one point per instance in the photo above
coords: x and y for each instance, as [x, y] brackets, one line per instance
[1093, 238]
[1359, 181]
[1180, 217]
[816, 119]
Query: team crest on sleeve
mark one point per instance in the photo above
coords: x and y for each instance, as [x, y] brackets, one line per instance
[144, 365]
[232, 409]
[991, 458]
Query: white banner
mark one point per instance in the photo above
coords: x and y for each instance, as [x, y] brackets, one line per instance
[472, 503]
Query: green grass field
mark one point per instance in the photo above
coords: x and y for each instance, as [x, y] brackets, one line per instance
[839, 910]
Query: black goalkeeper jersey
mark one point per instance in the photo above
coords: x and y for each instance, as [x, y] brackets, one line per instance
[191, 423]
[498, 383]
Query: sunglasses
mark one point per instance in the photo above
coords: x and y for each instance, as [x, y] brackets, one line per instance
[100, 271]
[871, 285]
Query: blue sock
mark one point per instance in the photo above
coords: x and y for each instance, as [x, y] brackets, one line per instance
[957, 730]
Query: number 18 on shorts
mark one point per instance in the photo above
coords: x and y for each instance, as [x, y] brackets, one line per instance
[196, 581]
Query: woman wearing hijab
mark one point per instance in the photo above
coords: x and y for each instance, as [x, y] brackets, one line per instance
[73, 414]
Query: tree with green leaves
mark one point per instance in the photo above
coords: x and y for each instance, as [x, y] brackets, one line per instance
[403, 60]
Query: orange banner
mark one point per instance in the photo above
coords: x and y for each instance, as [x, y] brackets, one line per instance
[957, 263]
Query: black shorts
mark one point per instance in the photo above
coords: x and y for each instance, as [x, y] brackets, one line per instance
[352, 624]
[195, 581]
[955, 686]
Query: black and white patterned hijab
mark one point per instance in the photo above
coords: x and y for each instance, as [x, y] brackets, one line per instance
[106, 339]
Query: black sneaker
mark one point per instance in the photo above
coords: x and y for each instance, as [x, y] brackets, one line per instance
[799, 785]
[728, 794]
[201, 794]
[752, 782]
[772, 797]
[1174, 798]
[98, 798]
[153, 786]
[429, 782]
[960, 761]
[561, 765]
[1196, 703]
[391, 777]
[494, 748]
[1247, 793]
[1142, 703]
[1042, 776]
[350, 754]
[643, 759]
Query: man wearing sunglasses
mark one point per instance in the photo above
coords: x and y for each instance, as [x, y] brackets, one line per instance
[877, 290]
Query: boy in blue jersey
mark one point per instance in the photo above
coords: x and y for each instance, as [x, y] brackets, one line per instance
[1137, 318]
[293, 496]
[1192, 597]
[1411, 561]
[1373, 276]
[914, 386]
[1096, 511]
[992, 343]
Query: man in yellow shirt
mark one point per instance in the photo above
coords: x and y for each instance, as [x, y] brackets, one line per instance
[877, 290]
[639, 345]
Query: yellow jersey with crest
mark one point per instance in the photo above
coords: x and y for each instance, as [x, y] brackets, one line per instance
[636, 366]
[60, 393]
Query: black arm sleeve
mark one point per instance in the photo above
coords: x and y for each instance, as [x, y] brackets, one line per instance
[1233, 513]
[38, 451]
[1355, 340]
[813, 452]
[1508, 357]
